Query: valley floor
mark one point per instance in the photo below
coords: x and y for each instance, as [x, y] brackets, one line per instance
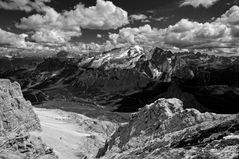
[71, 135]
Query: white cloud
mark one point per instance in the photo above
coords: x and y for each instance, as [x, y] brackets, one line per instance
[138, 17]
[105, 15]
[56, 29]
[197, 3]
[221, 34]
[62, 26]
[53, 36]
[99, 36]
[49, 28]
[144, 18]
[13, 39]
[230, 18]
[191, 34]
[160, 19]
[144, 35]
[25, 5]
[50, 20]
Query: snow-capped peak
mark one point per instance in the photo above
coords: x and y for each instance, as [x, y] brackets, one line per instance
[135, 50]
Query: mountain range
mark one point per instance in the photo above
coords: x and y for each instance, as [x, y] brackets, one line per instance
[126, 79]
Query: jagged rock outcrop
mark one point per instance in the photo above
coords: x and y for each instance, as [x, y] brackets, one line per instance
[15, 111]
[17, 119]
[165, 130]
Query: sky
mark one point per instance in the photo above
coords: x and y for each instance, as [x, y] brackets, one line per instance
[188, 25]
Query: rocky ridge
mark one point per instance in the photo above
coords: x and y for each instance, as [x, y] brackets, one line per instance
[17, 119]
[165, 130]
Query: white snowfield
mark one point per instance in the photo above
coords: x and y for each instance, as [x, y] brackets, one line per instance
[72, 136]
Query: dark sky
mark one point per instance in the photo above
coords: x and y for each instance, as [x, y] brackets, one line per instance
[159, 8]
[169, 10]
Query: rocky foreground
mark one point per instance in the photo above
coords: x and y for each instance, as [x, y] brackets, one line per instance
[165, 130]
[17, 119]
[27, 132]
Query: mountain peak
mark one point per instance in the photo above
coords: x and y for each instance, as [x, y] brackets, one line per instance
[161, 128]
[137, 48]
[167, 107]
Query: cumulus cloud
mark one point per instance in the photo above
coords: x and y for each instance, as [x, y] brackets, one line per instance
[60, 27]
[105, 15]
[56, 29]
[145, 19]
[230, 18]
[197, 3]
[25, 5]
[53, 36]
[13, 39]
[99, 36]
[142, 35]
[160, 19]
[220, 34]
[138, 17]
[191, 34]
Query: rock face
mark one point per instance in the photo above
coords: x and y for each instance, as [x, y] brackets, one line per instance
[15, 111]
[165, 130]
[17, 119]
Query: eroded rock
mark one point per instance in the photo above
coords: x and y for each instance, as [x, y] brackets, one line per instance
[17, 119]
[165, 130]
[15, 112]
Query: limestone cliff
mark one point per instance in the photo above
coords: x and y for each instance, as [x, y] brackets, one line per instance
[17, 119]
[16, 114]
[165, 130]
